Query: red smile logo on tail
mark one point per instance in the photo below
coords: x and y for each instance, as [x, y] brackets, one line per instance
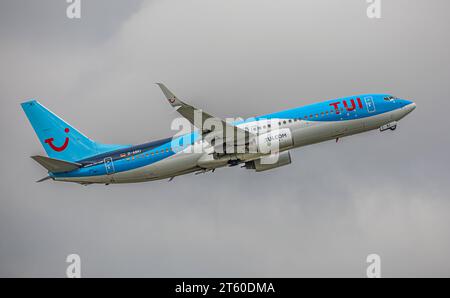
[61, 148]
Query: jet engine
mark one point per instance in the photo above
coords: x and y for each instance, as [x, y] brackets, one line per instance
[269, 162]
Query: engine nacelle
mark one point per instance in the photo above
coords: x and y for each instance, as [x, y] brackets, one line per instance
[275, 141]
[269, 162]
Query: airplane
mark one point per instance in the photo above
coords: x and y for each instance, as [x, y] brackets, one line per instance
[73, 157]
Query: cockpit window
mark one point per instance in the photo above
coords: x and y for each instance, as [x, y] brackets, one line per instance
[389, 98]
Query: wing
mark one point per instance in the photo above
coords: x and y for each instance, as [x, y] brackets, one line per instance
[211, 127]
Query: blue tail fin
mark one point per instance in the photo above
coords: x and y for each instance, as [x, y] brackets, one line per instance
[59, 139]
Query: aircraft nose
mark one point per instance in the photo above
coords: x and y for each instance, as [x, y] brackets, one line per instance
[408, 105]
[403, 102]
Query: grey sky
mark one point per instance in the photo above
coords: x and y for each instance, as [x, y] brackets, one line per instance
[384, 193]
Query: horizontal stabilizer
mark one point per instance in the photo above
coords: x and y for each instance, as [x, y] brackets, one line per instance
[44, 179]
[56, 165]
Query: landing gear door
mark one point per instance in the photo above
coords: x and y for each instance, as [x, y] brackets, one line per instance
[109, 165]
[369, 104]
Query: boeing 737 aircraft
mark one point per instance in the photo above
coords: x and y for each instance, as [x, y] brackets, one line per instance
[73, 157]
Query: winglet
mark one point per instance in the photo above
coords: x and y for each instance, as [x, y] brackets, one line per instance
[173, 100]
